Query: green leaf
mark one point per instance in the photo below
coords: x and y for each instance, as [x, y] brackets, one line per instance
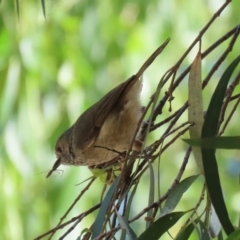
[176, 194]
[18, 9]
[185, 233]
[210, 128]
[128, 208]
[235, 235]
[98, 224]
[195, 102]
[204, 231]
[151, 193]
[43, 7]
[124, 225]
[214, 224]
[160, 226]
[232, 142]
[197, 230]
[220, 236]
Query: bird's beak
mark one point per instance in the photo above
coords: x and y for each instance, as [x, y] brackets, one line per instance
[55, 166]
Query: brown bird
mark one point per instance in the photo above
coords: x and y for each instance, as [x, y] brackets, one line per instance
[108, 124]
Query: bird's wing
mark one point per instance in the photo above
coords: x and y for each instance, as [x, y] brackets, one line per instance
[88, 125]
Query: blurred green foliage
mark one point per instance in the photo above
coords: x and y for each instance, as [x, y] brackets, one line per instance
[52, 69]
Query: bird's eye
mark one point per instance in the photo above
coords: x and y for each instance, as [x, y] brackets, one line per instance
[58, 149]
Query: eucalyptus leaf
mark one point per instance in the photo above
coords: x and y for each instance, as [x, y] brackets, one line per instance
[161, 226]
[220, 236]
[210, 128]
[224, 142]
[43, 7]
[17, 8]
[151, 193]
[124, 225]
[186, 232]
[98, 224]
[195, 102]
[204, 231]
[176, 194]
[214, 224]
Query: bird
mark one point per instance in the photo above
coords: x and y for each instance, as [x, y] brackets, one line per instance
[107, 127]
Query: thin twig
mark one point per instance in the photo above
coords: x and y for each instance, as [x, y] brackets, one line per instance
[80, 216]
[74, 203]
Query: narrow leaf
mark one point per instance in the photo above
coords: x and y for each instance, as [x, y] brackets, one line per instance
[18, 9]
[124, 225]
[186, 232]
[159, 227]
[204, 231]
[176, 194]
[211, 120]
[214, 225]
[210, 128]
[224, 142]
[220, 236]
[195, 102]
[151, 193]
[98, 224]
[43, 7]
[128, 208]
[197, 230]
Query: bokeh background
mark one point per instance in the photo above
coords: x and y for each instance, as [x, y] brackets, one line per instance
[53, 68]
